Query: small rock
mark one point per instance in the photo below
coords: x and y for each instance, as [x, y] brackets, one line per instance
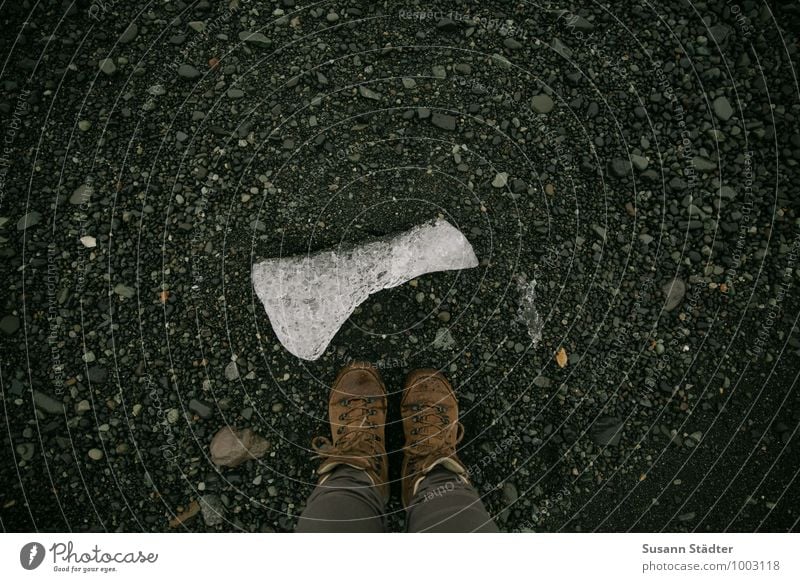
[607, 431]
[579, 23]
[255, 38]
[231, 372]
[200, 408]
[231, 447]
[542, 382]
[97, 374]
[95, 454]
[640, 162]
[188, 72]
[9, 324]
[444, 339]
[129, 34]
[173, 415]
[81, 194]
[84, 125]
[83, 406]
[442, 121]
[107, 66]
[500, 180]
[47, 403]
[448, 24]
[212, 509]
[444, 316]
[542, 103]
[31, 219]
[26, 451]
[722, 108]
[510, 493]
[368, 93]
[409, 83]
[558, 46]
[620, 168]
[703, 164]
[673, 292]
[501, 61]
[88, 241]
[124, 290]
[439, 71]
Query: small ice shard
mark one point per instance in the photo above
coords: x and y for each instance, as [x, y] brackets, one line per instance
[527, 313]
[309, 297]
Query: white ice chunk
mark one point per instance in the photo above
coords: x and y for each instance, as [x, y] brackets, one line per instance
[527, 314]
[309, 297]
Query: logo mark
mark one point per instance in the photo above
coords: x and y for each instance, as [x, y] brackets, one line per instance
[31, 555]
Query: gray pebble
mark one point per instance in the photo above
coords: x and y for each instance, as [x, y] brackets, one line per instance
[107, 66]
[673, 292]
[9, 324]
[47, 403]
[231, 372]
[124, 290]
[188, 72]
[542, 103]
[213, 510]
[368, 93]
[81, 194]
[31, 219]
[129, 34]
[722, 108]
[255, 38]
[500, 180]
[26, 451]
[442, 121]
[200, 408]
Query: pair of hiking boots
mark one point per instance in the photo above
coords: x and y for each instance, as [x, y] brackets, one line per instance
[357, 414]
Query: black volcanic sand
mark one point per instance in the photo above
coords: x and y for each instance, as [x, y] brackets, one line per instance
[638, 162]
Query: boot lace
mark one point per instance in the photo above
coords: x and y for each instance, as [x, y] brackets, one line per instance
[356, 434]
[432, 431]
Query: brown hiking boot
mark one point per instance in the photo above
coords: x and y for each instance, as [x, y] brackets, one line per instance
[357, 415]
[430, 422]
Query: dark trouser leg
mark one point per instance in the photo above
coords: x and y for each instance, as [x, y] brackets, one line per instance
[444, 503]
[346, 502]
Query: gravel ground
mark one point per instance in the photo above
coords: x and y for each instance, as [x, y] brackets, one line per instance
[627, 172]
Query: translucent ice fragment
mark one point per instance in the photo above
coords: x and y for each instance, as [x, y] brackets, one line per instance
[309, 297]
[527, 314]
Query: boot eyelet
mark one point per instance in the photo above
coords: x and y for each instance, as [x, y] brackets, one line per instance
[340, 430]
[341, 417]
[344, 402]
